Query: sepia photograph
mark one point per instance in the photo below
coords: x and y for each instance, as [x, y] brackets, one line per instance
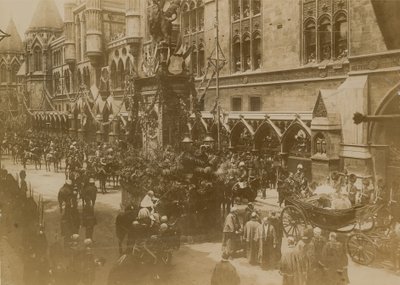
[199, 142]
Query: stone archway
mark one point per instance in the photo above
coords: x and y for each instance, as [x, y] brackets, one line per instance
[296, 147]
[385, 138]
[240, 137]
[267, 139]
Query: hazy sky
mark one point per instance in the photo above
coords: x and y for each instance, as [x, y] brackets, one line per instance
[21, 11]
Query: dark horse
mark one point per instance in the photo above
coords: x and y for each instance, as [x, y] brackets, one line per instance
[123, 224]
[66, 196]
[89, 194]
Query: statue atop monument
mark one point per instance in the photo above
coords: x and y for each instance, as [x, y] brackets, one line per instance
[163, 14]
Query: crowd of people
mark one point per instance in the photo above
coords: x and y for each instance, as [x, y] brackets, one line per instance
[22, 225]
[317, 255]
[260, 237]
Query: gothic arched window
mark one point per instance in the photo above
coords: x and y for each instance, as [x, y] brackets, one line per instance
[114, 76]
[256, 7]
[320, 144]
[340, 36]
[185, 20]
[310, 44]
[246, 25]
[246, 53]
[3, 73]
[256, 53]
[192, 21]
[78, 40]
[14, 71]
[37, 59]
[193, 17]
[121, 75]
[246, 8]
[235, 10]
[237, 63]
[324, 39]
[67, 80]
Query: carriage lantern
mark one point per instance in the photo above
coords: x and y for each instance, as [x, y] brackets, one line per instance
[209, 140]
[187, 140]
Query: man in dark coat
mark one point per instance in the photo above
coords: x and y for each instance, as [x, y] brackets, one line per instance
[249, 232]
[276, 223]
[315, 270]
[334, 259]
[225, 273]
[266, 238]
[291, 267]
[248, 212]
[231, 231]
[23, 187]
[88, 220]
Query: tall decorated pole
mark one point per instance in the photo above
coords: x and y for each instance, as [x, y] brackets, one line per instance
[217, 74]
[2, 36]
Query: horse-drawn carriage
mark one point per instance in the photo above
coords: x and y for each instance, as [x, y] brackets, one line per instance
[365, 225]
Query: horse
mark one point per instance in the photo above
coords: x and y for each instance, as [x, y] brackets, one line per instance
[112, 171]
[34, 157]
[102, 176]
[89, 194]
[66, 196]
[123, 224]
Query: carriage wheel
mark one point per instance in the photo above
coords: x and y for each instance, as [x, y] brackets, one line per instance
[293, 221]
[361, 248]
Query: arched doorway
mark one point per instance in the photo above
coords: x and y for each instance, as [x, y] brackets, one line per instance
[241, 138]
[296, 145]
[267, 140]
[385, 136]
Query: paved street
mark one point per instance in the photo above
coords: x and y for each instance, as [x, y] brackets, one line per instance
[192, 264]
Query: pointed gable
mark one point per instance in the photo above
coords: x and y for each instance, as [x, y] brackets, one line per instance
[319, 108]
[325, 104]
[46, 16]
[13, 43]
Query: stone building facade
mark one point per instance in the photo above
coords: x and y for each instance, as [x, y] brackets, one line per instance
[295, 73]
[11, 61]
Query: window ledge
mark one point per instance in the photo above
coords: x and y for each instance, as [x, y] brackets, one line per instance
[325, 63]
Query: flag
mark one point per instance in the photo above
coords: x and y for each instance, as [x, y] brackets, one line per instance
[3, 35]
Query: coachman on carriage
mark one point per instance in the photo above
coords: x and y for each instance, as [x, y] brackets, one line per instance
[366, 232]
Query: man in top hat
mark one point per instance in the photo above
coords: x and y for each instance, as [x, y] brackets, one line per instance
[248, 212]
[231, 231]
